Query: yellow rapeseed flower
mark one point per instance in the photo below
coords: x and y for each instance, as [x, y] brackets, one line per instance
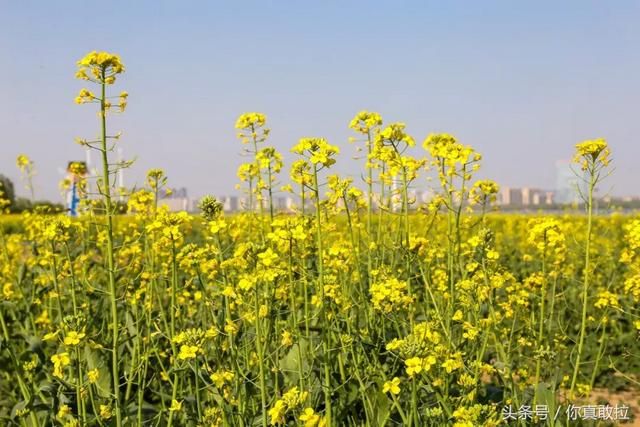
[50, 336]
[318, 151]
[221, 377]
[390, 295]
[105, 412]
[268, 257]
[311, 419]
[22, 161]
[93, 375]
[73, 338]
[392, 386]
[60, 360]
[287, 340]
[188, 352]
[101, 67]
[63, 411]
[248, 120]
[364, 121]
[277, 411]
[175, 406]
[416, 365]
[591, 153]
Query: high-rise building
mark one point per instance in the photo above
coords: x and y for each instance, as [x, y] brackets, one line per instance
[510, 196]
[525, 196]
[291, 204]
[535, 197]
[571, 185]
[280, 204]
[229, 203]
[176, 200]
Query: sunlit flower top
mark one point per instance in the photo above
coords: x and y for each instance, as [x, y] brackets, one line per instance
[592, 152]
[269, 158]
[320, 151]
[252, 128]
[395, 133]
[248, 120]
[364, 121]
[100, 67]
[78, 168]
[447, 147]
[484, 190]
[22, 161]
[301, 172]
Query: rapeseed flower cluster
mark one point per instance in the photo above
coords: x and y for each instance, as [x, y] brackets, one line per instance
[318, 151]
[101, 67]
[390, 295]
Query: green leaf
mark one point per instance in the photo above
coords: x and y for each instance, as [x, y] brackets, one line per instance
[96, 361]
[23, 404]
[546, 397]
[289, 364]
[382, 409]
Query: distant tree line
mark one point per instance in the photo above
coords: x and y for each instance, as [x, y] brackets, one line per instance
[21, 204]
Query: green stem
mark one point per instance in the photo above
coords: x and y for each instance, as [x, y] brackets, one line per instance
[369, 205]
[110, 257]
[260, 349]
[21, 384]
[174, 394]
[541, 320]
[601, 349]
[270, 197]
[326, 332]
[174, 286]
[585, 285]
[79, 385]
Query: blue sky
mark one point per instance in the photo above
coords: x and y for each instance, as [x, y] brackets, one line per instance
[522, 82]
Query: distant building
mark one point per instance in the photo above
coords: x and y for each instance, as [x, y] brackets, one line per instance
[177, 200]
[515, 197]
[291, 204]
[549, 198]
[280, 204]
[525, 196]
[229, 203]
[570, 183]
[510, 196]
[420, 197]
[536, 197]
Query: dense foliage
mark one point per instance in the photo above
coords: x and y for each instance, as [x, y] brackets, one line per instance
[338, 314]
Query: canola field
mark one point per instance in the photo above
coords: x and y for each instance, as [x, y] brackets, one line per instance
[362, 308]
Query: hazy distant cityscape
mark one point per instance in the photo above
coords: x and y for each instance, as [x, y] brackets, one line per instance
[568, 190]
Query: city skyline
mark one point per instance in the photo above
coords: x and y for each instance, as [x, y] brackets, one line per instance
[564, 190]
[510, 197]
